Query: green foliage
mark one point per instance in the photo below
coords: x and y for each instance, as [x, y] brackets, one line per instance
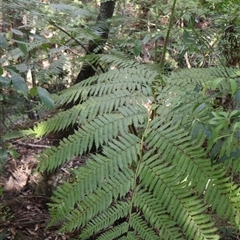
[158, 137]
[153, 176]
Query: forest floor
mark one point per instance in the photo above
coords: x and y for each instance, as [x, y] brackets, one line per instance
[25, 194]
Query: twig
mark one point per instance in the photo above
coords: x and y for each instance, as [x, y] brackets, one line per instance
[33, 145]
[162, 62]
[187, 60]
[73, 38]
[58, 27]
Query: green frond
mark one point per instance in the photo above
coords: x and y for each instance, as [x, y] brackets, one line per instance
[55, 68]
[176, 146]
[115, 232]
[200, 76]
[118, 60]
[184, 86]
[36, 43]
[224, 197]
[176, 197]
[130, 79]
[88, 110]
[156, 215]
[106, 219]
[130, 236]
[121, 153]
[99, 201]
[98, 132]
[152, 167]
[153, 178]
[141, 227]
[58, 122]
[184, 90]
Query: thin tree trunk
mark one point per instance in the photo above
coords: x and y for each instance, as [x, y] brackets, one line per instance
[88, 70]
[102, 25]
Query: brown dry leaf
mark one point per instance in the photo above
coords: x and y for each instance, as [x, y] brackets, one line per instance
[17, 180]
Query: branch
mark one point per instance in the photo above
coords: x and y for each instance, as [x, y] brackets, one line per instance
[167, 36]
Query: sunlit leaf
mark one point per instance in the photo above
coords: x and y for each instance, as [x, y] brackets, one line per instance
[33, 91]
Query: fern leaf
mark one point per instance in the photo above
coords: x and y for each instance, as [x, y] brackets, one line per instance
[117, 157]
[109, 83]
[176, 197]
[97, 132]
[141, 227]
[106, 219]
[130, 236]
[193, 160]
[114, 232]
[88, 110]
[156, 215]
[100, 200]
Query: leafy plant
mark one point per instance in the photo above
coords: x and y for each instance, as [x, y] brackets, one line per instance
[153, 177]
[156, 138]
[15, 97]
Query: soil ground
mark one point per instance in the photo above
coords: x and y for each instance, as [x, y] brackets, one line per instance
[25, 194]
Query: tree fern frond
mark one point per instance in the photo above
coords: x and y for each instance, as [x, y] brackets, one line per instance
[57, 50]
[141, 227]
[114, 232]
[36, 43]
[188, 158]
[131, 235]
[175, 196]
[185, 87]
[118, 60]
[106, 219]
[177, 148]
[55, 68]
[116, 158]
[199, 76]
[153, 178]
[58, 122]
[98, 132]
[156, 215]
[100, 200]
[130, 79]
[88, 110]
[224, 197]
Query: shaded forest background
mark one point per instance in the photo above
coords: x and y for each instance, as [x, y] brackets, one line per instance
[48, 47]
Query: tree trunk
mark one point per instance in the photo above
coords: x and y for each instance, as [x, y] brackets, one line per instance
[88, 70]
[102, 25]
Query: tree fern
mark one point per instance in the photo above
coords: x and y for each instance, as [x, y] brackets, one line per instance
[153, 178]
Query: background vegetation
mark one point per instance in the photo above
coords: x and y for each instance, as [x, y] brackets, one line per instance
[148, 95]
